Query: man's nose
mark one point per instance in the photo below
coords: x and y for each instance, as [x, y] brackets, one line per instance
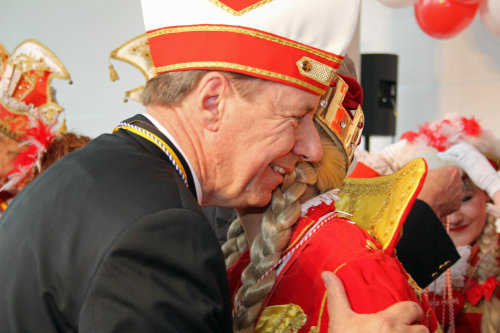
[308, 143]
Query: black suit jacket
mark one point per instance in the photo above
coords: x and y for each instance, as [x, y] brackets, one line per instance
[109, 239]
[425, 249]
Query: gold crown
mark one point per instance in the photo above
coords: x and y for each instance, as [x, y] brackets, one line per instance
[135, 52]
[344, 129]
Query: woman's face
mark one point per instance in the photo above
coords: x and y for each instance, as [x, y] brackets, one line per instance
[467, 223]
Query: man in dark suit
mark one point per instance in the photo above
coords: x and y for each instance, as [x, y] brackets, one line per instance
[112, 238]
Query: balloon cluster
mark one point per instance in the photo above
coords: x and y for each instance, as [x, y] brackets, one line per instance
[446, 18]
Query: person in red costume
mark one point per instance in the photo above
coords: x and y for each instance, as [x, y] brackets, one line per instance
[221, 216]
[32, 136]
[29, 113]
[276, 285]
[466, 297]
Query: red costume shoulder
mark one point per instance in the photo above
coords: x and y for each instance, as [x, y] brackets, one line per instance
[373, 279]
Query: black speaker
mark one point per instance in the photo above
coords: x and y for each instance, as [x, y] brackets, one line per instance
[379, 79]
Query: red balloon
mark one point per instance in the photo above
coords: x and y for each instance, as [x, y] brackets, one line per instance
[444, 18]
[468, 1]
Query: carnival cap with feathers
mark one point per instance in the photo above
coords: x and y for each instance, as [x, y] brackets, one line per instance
[437, 136]
[29, 112]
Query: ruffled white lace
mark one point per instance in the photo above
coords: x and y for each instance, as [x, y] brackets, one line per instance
[327, 197]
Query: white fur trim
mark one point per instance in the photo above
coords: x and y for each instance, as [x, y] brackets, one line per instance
[327, 197]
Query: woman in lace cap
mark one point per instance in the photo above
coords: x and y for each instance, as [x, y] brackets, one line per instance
[465, 297]
[276, 284]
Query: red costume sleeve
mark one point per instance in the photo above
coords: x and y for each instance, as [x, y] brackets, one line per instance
[362, 170]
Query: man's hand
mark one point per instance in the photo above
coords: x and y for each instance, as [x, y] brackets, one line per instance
[400, 317]
[475, 164]
[442, 190]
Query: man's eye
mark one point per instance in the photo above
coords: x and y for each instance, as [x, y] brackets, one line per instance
[467, 198]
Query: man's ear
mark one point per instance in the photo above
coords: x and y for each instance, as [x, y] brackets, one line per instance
[212, 90]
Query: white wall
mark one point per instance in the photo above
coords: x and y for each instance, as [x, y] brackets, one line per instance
[461, 74]
[436, 76]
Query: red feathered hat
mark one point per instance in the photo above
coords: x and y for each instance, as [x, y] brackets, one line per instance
[28, 112]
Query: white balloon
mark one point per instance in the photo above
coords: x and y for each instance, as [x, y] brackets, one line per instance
[489, 10]
[398, 3]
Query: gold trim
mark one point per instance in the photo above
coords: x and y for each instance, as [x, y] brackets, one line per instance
[25, 62]
[316, 70]
[469, 308]
[371, 246]
[445, 265]
[50, 112]
[30, 81]
[145, 55]
[339, 267]
[6, 124]
[47, 112]
[60, 66]
[222, 64]
[416, 288]
[317, 328]
[167, 147]
[4, 56]
[337, 121]
[240, 12]
[16, 111]
[65, 74]
[244, 31]
[286, 318]
[304, 230]
[377, 204]
[135, 94]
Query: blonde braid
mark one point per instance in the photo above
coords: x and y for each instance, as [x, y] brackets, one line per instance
[236, 243]
[490, 321]
[489, 262]
[279, 217]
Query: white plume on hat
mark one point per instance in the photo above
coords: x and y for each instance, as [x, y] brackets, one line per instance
[432, 138]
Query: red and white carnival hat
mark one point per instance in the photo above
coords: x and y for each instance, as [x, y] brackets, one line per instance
[295, 42]
[29, 112]
[432, 138]
[441, 134]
